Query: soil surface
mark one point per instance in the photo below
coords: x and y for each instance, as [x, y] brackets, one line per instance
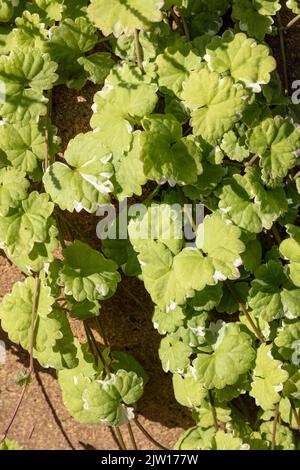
[43, 422]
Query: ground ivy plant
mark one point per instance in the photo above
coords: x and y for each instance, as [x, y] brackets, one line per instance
[189, 111]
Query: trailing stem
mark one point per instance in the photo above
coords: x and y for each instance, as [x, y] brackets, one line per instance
[132, 438]
[213, 410]
[47, 124]
[292, 22]
[275, 422]
[31, 363]
[283, 54]
[296, 416]
[95, 347]
[120, 439]
[146, 433]
[138, 50]
[235, 295]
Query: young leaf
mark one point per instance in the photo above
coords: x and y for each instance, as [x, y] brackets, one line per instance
[242, 57]
[25, 75]
[277, 141]
[26, 225]
[13, 189]
[86, 182]
[124, 17]
[249, 205]
[232, 355]
[271, 296]
[268, 378]
[86, 274]
[216, 103]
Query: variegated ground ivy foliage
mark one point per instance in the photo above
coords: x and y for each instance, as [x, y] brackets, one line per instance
[189, 109]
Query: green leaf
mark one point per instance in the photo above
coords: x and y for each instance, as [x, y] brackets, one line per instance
[86, 274]
[71, 39]
[68, 43]
[277, 141]
[168, 322]
[188, 391]
[84, 184]
[196, 438]
[109, 399]
[30, 33]
[26, 225]
[174, 66]
[25, 75]
[226, 441]
[125, 361]
[174, 354]
[40, 255]
[294, 6]
[268, 378]
[166, 160]
[123, 18]
[284, 436]
[271, 296]
[25, 145]
[290, 250]
[117, 108]
[288, 341]
[216, 103]
[74, 382]
[48, 10]
[232, 355]
[85, 309]
[13, 189]
[242, 57]
[9, 444]
[91, 400]
[53, 340]
[207, 299]
[129, 169]
[233, 144]
[7, 9]
[249, 18]
[221, 242]
[249, 205]
[97, 66]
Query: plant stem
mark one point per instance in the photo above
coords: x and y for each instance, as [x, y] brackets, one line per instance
[235, 295]
[31, 363]
[253, 160]
[15, 412]
[185, 28]
[152, 195]
[60, 232]
[132, 438]
[276, 234]
[292, 22]
[138, 50]
[102, 331]
[115, 438]
[184, 24]
[213, 410]
[33, 319]
[151, 439]
[91, 336]
[283, 54]
[47, 118]
[120, 438]
[276, 416]
[296, 416]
